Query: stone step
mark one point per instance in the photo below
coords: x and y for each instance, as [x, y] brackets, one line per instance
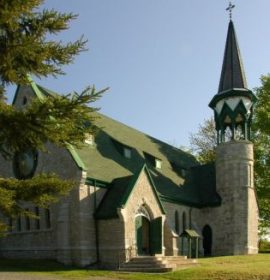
[134, 264]
[157, 264]
[146, 269]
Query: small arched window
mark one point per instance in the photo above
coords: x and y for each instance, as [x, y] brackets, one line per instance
[176, 222]
[184, 220]
[47, 218]
[24, 101]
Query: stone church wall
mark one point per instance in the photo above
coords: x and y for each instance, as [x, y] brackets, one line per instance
[43, 242]
[173, 232]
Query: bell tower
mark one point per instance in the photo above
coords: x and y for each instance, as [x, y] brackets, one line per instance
[233, 104]
[237, 218]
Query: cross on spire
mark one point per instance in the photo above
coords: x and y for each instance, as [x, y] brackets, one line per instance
[231, 6]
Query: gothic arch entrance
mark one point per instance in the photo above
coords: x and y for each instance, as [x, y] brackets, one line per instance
[148, 231]
[142, 225]
[207, 240]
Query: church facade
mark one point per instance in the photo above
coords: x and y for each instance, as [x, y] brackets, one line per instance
[135, 195]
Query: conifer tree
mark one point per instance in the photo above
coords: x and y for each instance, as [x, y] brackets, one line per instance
[62, 120]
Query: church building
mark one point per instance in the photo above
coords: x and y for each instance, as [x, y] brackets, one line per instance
[135, 195]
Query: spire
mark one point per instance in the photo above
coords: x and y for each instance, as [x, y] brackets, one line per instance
[233, 104]
[232, 74]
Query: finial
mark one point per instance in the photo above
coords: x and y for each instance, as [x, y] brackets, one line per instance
[231, 6]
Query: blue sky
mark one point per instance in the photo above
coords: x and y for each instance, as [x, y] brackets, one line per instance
[161, 58]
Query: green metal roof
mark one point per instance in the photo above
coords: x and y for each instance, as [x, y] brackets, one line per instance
[118, 194]
[190, 233]
[232, 79]
[179, 180]
[232, 74]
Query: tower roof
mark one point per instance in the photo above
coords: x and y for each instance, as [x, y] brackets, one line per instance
[232, 74]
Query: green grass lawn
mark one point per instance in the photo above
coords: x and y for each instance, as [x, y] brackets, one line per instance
[219, 268]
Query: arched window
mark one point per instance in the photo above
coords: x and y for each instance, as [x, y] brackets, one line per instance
[24, 101]
[176, 222]
[47, 218]
[207, 240]
[184, 220]
[37, 221]
[27, 221]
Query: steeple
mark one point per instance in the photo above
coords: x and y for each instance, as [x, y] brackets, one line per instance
[233, 103]
[232, 74]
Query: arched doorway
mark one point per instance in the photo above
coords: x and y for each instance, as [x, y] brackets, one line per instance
[142, 225]
[207, 240]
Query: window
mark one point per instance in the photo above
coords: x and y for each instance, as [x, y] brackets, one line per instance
[10, 224]
[158, 163]
[176, 222]
[37, 219]
[154, 161]
[19, 223]
[127, 152]
[177, 168]
[24, 101]
[47, 218]
[184, 219]
[27, 221]
[122, 149]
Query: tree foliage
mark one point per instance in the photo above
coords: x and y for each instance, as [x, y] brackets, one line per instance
[24, 47]
[204, 142]
[261, 128]
[62, 120]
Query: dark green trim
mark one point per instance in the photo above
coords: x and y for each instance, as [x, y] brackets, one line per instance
[232, 93]
[16, 94]
[39, 94]
[76, 157]
[133, 183]
[98, 183]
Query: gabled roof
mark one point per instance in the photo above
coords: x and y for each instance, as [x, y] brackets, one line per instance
[119, 192]
[41, 93]
[232, 74]
[179, 180]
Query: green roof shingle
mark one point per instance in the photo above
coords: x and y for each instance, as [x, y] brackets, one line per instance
[180, 179]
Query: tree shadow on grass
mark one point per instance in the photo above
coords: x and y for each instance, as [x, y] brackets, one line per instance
[9, 265]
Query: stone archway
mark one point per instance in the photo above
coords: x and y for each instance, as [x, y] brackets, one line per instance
[207, 240]
[148, 231]
[142, 225]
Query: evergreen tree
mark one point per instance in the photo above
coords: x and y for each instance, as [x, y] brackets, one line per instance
[62, 120]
